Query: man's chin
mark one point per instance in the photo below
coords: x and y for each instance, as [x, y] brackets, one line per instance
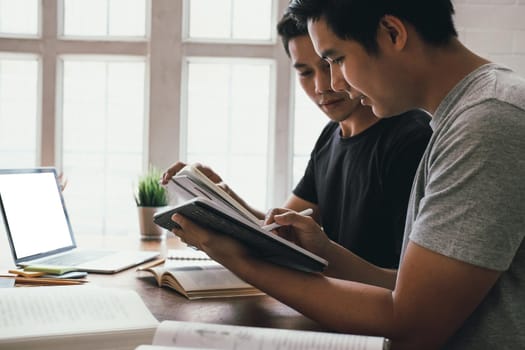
[383, 113]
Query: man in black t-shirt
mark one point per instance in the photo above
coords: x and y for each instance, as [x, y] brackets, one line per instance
[360, 172]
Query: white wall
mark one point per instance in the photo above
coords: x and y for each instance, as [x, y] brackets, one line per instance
[495, 29]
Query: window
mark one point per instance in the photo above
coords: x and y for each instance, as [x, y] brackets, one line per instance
[103, 138]
[105, 18]
[228, 122]
[231, 19]
[308, 123]
[18, 111]
[118, 85]
[19, 17]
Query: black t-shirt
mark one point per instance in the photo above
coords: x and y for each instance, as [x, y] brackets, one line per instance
[362, 184]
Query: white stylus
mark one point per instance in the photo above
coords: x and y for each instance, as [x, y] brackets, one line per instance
[275, 225]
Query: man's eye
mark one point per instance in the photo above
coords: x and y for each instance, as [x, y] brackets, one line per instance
[305, 73]
[338, 60]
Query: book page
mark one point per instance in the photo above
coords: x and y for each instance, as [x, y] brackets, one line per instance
[203, 275]
[208, 189]
[44, 311]
[214, 336]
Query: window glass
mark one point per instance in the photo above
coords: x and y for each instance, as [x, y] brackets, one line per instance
[19, 17]
[228, 115]
[309, 121]
[103, 118]
[105, 18]
[18, 112]
[230, 19]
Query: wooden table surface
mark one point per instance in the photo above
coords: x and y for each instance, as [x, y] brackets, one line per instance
[166, 304]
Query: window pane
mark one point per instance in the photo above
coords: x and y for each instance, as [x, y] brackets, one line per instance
[127, 17]
[105, 18]
[103, 117]
[308, 124]
[228, 116]
[18, 112]
[230, 19]
[19, 17]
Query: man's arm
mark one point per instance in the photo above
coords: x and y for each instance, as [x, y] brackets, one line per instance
[433, 294]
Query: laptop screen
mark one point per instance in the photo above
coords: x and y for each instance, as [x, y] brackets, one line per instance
[34, 214]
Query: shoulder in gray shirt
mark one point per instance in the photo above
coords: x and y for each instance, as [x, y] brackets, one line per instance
[468, 202]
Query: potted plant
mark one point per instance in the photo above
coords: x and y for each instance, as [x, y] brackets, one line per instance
[150, 197]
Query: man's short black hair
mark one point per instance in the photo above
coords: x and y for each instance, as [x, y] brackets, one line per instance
[359, 19]
[289, 28]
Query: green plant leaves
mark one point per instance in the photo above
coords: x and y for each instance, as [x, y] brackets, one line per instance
[150, 192]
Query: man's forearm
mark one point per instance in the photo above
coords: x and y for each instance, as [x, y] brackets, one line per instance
[344, 264]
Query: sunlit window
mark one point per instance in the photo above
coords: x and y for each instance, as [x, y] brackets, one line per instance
[18, 111]
[105, 18]
[228, 116]
[308, 124]
[19, 17]
[103, 139]
[230, 19]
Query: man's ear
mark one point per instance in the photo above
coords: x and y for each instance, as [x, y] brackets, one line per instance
[393, 29]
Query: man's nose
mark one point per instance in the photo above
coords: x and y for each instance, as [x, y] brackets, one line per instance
[322, 82]
[337, 80]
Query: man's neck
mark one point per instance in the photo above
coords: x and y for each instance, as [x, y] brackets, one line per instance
[357, 122]
[446, 68]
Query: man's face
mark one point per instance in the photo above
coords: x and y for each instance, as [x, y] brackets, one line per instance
[314, 76]
[365, 77]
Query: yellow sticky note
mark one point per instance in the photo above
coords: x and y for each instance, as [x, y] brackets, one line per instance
[54, 270]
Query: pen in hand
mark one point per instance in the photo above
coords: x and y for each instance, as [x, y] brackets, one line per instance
[275, 225]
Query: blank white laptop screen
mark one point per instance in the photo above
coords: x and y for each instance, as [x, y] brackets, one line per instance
[34, 210]
[39, 230]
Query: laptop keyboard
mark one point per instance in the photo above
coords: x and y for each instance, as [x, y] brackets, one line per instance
[74, 258]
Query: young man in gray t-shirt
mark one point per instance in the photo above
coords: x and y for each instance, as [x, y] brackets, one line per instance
[461, 280]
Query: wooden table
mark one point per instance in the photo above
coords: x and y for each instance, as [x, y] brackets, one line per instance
[166, 304]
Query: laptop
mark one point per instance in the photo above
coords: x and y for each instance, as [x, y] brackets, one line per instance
[38, 227]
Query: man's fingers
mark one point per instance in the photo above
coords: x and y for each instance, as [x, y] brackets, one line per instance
[292, 218]
[270, 214]
[171, 171]
[210, 174]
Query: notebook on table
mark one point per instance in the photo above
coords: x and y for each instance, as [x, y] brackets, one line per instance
[39, 230]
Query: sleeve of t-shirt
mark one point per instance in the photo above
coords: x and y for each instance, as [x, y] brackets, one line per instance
[306, 188]
[473, 208]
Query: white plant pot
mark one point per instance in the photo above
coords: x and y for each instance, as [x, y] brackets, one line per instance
[148, 229]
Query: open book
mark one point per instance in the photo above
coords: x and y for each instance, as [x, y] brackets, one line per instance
[207, 204]
[73, 317]
[194, 275]
[262, 243]
[177, 335]
[190, 183]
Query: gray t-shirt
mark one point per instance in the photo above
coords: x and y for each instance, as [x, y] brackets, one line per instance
[468, 202]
